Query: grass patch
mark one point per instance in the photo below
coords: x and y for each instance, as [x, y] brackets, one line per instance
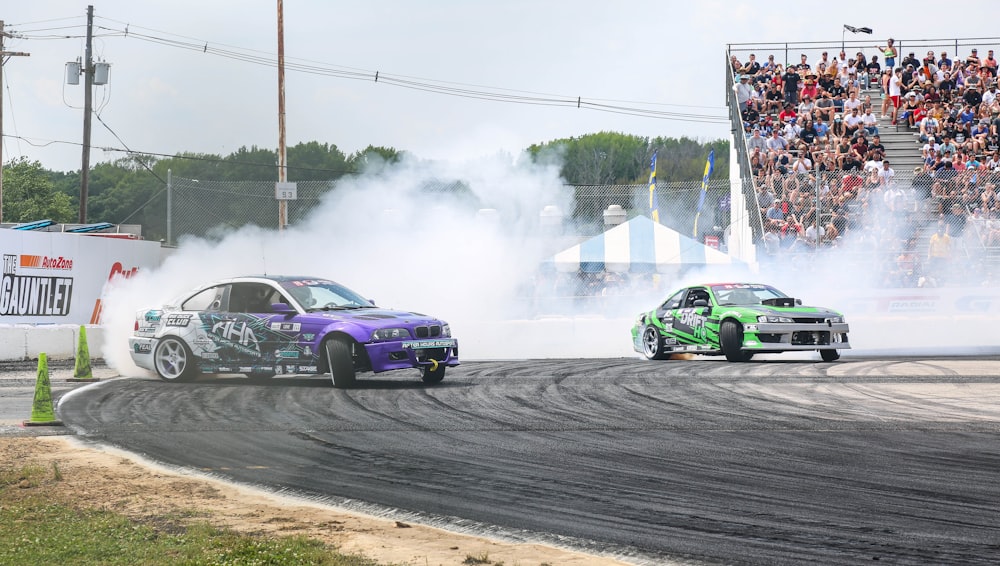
[39, 527]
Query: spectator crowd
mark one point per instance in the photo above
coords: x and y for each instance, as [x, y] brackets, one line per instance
[821, 171]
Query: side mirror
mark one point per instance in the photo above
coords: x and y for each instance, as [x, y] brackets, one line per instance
[282, 308]
[798, 301]
[700, 303]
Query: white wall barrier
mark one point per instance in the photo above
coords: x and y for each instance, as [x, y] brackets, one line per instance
[58, 278]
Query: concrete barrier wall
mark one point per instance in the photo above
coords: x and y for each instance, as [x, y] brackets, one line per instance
[59, 342]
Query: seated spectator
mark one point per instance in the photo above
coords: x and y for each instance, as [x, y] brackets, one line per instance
[787, 113]
[852, 123]
[838, 131]
[776, 143]
[876, 145]
[870, 122]
[822, 130]
[805, 107]
[756, 141]
[928, 128]
[852, 102]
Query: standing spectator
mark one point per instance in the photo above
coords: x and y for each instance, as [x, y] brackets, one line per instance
[938, 254]
[743, 92]
[922, 182]
[895, 91]
[874, 70]
[889, 53]
[790, 80]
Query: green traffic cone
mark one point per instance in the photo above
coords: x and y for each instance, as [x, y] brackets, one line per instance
[42, 411]
[82, 370]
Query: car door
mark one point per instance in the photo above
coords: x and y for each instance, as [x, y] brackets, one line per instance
[690, 316]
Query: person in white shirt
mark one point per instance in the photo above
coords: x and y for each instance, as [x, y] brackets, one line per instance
[886, 174]
[852, 122]
[870, 122]
[852, 102]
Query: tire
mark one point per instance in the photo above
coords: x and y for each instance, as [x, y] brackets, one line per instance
[260, 376]
[731, 340]
[829, 355]
[340, 363]
[173, 360]
[652, 344]
[434, 376]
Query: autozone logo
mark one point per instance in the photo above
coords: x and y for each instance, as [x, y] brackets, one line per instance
[46, 262]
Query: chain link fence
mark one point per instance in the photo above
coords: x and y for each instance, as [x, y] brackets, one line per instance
[803, 219]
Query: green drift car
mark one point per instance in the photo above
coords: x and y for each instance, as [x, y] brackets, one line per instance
[737, 320]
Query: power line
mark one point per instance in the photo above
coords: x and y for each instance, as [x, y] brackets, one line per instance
[479, 92]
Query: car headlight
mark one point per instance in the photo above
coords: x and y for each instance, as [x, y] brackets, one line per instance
[390, 334]
[446, 330]
[835, 320]
[768, 318]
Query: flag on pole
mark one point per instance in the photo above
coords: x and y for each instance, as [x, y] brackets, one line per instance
[654, 207]
[709, 167]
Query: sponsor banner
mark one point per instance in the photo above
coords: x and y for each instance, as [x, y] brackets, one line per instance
[963, 301]
[59, 278]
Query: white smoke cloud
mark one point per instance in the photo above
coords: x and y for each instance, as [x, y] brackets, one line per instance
[471, 256]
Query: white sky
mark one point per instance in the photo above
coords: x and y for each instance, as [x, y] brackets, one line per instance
[658, 55]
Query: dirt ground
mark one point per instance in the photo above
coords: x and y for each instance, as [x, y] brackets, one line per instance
[121, 483]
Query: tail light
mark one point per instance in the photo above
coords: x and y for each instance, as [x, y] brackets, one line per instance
[136, 328]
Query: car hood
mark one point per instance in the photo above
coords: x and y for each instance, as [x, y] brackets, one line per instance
[796, 311]
[372, 317]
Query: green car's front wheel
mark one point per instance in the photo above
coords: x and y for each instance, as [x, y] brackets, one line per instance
[652, 344]
[731, 339]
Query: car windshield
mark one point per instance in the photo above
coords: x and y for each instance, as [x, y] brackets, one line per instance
[322, 294]
[744, 294]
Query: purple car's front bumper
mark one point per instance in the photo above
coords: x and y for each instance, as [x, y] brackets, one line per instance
[385, 356]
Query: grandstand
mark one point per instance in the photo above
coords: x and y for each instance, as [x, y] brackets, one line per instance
[847, 156]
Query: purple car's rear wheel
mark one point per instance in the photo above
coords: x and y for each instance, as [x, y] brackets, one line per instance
[173, 360]
[340, 363]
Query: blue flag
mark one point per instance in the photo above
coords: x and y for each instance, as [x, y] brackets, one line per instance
[709, 167]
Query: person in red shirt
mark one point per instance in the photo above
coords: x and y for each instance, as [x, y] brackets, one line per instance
[787, 114]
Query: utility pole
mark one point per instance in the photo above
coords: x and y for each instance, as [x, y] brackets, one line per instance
[88, 99]
[4, 55]
[282, 151]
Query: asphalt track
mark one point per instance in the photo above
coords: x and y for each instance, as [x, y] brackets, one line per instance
[895, 460]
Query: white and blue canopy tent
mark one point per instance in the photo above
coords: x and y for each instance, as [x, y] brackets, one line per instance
[639, 245]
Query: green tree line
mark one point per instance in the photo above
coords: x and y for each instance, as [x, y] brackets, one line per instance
[132, 190]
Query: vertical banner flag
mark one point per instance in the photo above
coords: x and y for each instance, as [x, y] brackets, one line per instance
[654, 207]
[709, 167]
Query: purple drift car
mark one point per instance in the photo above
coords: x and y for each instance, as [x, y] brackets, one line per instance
[269, 325]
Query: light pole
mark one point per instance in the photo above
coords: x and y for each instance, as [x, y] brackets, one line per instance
[852, 29]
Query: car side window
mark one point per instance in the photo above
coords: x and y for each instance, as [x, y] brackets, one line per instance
[250, 298]
[672, 303]
[696, 294]
[213, 299]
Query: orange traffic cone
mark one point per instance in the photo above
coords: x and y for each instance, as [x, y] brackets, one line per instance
[42, 411]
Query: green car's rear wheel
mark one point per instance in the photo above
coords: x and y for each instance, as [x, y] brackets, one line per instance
[652, 344]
